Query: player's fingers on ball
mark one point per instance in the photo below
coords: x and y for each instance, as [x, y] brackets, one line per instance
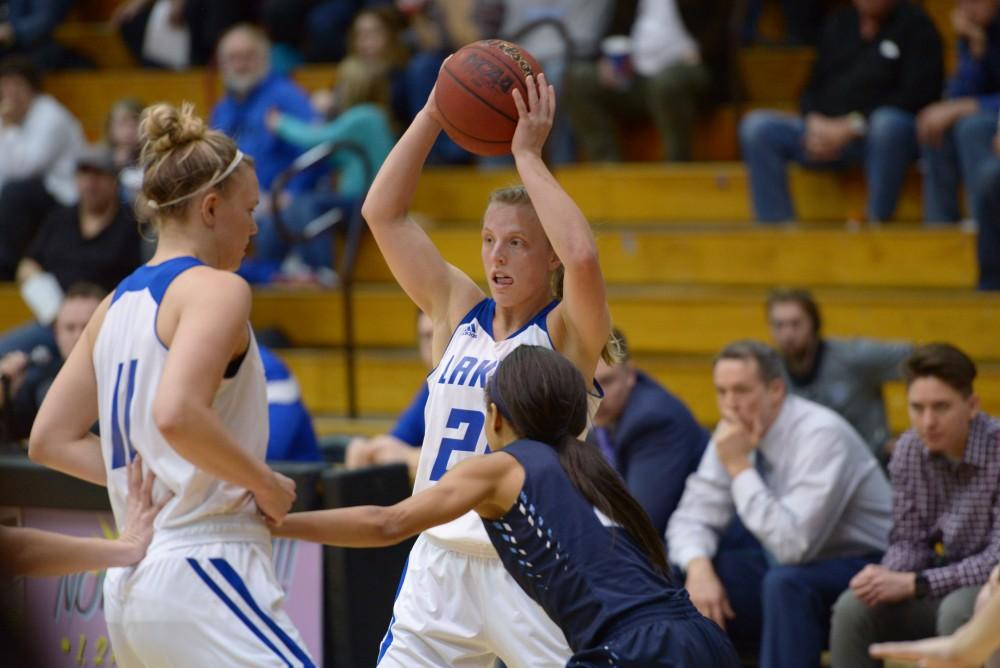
[543, 97]
[531, 85]
[519, 103]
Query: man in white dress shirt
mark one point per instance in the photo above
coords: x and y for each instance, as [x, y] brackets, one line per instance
[805, 485]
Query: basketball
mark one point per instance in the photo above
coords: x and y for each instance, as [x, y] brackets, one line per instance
[473, 94]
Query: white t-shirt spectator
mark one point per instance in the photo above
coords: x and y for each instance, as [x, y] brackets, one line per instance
[45, 144]
[659, 38]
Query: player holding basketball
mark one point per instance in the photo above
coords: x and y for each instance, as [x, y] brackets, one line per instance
[561, 520]
[169, 366]
[456, 605]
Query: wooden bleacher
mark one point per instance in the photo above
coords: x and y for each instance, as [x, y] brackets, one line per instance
[735, 256]
[710, 193]
[686, 268]
[89, 95]
[388, 381]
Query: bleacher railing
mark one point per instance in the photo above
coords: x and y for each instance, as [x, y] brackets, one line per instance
[351, 226]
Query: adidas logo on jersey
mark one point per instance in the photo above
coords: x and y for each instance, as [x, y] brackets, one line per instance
[470, 330]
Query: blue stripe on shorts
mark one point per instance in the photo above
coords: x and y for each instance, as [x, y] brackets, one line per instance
[236, 582]
[387, 640]
[236, 611]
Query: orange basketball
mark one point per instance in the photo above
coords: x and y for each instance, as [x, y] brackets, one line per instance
[473, 94]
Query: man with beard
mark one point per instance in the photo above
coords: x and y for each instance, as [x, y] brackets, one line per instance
[252, 89]
[845, 375]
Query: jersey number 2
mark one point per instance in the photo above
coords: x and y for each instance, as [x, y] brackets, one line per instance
[473, 421]
[118, 442]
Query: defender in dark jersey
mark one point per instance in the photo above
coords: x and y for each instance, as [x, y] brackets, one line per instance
[561, 520]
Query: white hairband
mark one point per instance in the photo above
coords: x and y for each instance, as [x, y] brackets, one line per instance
[218, 179]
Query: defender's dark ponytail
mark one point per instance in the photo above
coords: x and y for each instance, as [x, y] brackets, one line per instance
[544, 397]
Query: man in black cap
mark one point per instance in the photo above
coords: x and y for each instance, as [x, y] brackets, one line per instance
[94, 241]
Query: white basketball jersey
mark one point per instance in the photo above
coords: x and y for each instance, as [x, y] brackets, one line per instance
[455, 413]
[129, 359]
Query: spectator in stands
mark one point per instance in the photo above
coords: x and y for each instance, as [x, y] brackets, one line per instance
[664, 77]
[291, 437]
[647, 434]
[955, 133]
[437, 29]
[846, 375]
[803, 19]
[95, 241]
[402, 444]
[987, 194]
[26, 28]
[39, 141]
[878, 63]
[582, 24]
[251, 91]
[945, 538]
[26, 375]
[315, 30]
[804, 484]
[361, 118]
[375, 38]
[194, 28]
[121, 133]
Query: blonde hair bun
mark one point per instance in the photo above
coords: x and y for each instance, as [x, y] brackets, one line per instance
[164, 128]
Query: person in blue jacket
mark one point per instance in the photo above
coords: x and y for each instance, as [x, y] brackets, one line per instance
[563, 524]
[361, 100]
[291, 437]
[647, 434]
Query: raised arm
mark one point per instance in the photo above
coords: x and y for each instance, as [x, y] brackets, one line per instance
[488, 485]
[440, 290]
[60, 437]
[206, 313]
[583, 321]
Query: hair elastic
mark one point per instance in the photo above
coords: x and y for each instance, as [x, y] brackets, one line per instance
[237, 159]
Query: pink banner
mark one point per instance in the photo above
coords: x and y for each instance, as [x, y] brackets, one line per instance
[65, 615]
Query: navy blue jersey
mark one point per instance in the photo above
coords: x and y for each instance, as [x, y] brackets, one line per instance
[587, 573]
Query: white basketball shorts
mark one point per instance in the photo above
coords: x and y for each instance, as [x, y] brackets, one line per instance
[462, 611]
[204, 596]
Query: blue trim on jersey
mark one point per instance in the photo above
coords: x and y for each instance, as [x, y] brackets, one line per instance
[233, 578]
[387, 640]
[118, 455]
[155, 277]
[236, 611]
[129, 448]
[486, 309]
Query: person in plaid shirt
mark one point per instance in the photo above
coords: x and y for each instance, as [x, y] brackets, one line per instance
[946, 516]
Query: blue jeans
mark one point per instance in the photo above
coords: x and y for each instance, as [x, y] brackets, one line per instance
[561, 145]
[783, 609]
[770, 140]
[964, 147]
[986, 198]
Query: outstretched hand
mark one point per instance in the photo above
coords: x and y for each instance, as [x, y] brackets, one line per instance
[535, 115]
[929, 653]
[140, 510]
